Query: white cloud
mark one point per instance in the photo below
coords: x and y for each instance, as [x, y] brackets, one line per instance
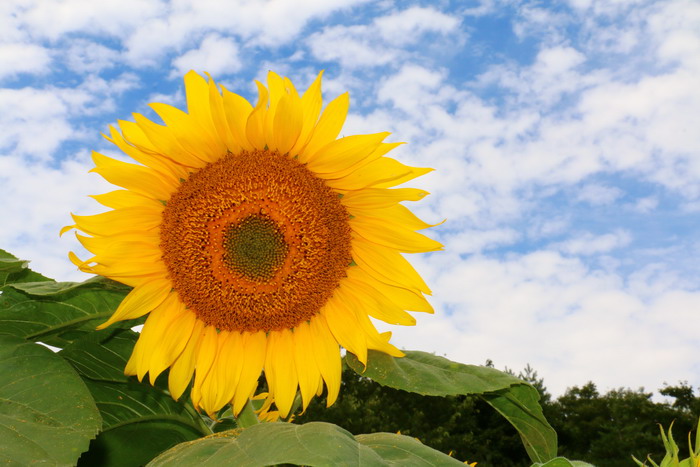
[256, 22]
[351, 46]
[384, 40]
[54, 19]
[591, 244]
[23, 58]
[598, 195]
[646, 205]
[86, 56]
[33, 121]
[216, 55]
[407, 26]
[48, 195]
[571, 323]
[476, 241]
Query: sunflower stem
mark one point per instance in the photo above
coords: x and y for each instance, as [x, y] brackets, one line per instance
[247, 417]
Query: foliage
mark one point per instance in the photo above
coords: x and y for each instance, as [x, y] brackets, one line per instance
[605, 429]
[672, 459]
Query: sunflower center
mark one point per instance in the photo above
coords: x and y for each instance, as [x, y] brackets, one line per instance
[255, 242]
[255, 248]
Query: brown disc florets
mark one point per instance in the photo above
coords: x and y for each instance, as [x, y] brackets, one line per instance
[255, 242]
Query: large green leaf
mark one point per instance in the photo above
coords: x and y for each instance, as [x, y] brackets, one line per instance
[312, 444]
[428, 374]
[403, 450]
[13, 270]
[47, 415]
[57, 313]
[139, 420]
[519, 404]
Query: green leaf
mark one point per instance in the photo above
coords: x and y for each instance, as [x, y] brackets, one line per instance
[52, 288]
[47, 415]
[562, 462]
[428, 374]
[272, 443]
[138, 416]
[13, 270]
[519, 404]
[57, 313]
[312, 444]
[402, 450]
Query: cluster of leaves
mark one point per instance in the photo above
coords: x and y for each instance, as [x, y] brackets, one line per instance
[672, 458]
[605, 429]
[74, 404]
[55, 403]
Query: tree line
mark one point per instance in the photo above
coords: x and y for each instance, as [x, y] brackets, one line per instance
[603, 429]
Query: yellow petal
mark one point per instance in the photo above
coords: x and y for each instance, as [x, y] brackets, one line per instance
[189, 133]
[275, 86]
[162, 138]
[387, 233]
[404, 298]
[287, 124]
[305, 364]
[373, 339]
[175, 337]
[197, 93]
[204, 357]
[345, 152]
[134, 177]
[131, 273]
[237, 111]
[327, 355]
[376, 305]
[151, 337]
[119, 199]
[280, 370]
[397, 215]
[111, 250]
[229, 366]
[218, 117]
[255, 345]
[204, 394]
[137, 137]
[379, 151]
[161, 163]
[371, 198]
[133, 219]
[140, 301]
[311, 103]
[380, 173]
[255, 126]
[343, 323]
[387, 265]
[328, 126]
[181, 371]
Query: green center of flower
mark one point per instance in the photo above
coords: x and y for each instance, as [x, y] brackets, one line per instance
[255, 248]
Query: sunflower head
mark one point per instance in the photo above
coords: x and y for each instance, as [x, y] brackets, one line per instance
[256, 240]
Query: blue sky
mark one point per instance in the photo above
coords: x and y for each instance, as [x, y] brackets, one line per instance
[564, 137]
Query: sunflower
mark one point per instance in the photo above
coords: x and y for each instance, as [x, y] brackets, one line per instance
[256, 240]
